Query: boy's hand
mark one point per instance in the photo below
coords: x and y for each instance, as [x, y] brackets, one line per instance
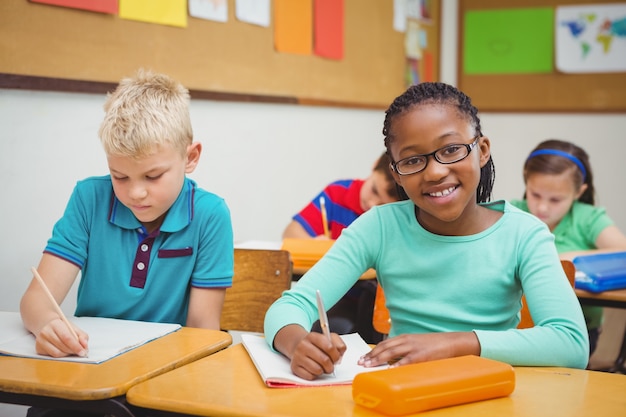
[56, 340]
[413, 348]
[315, 355]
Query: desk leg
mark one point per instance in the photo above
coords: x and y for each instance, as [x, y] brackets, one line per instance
[618, 366]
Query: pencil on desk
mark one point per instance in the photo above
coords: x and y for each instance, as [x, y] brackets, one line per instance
[324, 216]
[53, 301]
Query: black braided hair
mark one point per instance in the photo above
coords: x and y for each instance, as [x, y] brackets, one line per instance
[441, 93]
[555, 164]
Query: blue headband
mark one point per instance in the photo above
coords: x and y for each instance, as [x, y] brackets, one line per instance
[564, 155]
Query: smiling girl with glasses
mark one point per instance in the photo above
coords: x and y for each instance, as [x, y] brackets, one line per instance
[452, 265]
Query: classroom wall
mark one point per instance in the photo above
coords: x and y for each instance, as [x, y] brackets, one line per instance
[266, 160]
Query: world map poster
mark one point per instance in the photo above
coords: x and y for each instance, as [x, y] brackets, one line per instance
[591, 38]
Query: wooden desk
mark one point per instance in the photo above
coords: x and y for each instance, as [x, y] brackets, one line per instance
[306, 252]
[227, 384]
[615, 299]
[101, 387]
[299, 271]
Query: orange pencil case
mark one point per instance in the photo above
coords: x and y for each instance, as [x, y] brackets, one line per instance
[435, 384]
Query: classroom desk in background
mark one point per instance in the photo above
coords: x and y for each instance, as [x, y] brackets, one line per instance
[614, 299]
[102, 387]
[298, 270]
[228, 384]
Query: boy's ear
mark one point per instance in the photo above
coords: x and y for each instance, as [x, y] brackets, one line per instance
[484, 144]
[193, 156]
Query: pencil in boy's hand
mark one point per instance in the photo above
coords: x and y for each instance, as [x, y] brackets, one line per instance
[53, 301]
[324, 216]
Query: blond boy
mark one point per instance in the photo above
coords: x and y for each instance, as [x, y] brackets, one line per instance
[149, 243]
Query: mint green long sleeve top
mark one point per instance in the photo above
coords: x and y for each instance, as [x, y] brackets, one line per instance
[437, 283]
[579, 230]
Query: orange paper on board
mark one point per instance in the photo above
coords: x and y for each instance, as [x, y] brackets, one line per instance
[293, 26]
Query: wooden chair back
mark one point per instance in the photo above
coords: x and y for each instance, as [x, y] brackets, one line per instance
[382, 321]
[260, 278]
[380, 318]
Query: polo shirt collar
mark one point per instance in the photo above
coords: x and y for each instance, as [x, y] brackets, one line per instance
[177, 218]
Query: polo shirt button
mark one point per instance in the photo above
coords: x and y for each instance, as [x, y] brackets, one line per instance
[141, 266]
[144, 248]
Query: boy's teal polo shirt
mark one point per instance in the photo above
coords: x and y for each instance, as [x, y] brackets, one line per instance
[129, 274]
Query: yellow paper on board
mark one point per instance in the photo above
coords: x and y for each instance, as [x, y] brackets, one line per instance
[163, 12]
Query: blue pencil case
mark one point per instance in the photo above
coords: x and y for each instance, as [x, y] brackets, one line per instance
[601, 272]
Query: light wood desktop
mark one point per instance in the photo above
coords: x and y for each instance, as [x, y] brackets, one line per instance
[227, 384]
[57, 384]
[299, 271]
[614, 298]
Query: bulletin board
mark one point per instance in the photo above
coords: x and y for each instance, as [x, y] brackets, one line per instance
[547, 92]
[43, 46]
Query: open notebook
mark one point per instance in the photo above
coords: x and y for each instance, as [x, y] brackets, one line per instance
[275, 369]
[107, 337]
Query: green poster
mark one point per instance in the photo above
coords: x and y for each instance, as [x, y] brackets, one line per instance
[508, 41]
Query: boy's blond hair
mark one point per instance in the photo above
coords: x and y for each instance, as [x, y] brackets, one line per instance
[144, 112]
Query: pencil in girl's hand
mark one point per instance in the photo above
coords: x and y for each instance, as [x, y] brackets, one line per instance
[53, 301]
[323, 317]
[324, 216]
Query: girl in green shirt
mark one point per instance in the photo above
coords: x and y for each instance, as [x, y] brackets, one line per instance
[560, 192]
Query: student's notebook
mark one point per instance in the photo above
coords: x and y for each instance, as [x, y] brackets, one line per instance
[107, 337]
[601, 272]
[275, 369]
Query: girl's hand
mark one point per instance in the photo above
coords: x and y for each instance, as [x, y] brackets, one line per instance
[315, 355]
[413, 348]
[55, 339]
